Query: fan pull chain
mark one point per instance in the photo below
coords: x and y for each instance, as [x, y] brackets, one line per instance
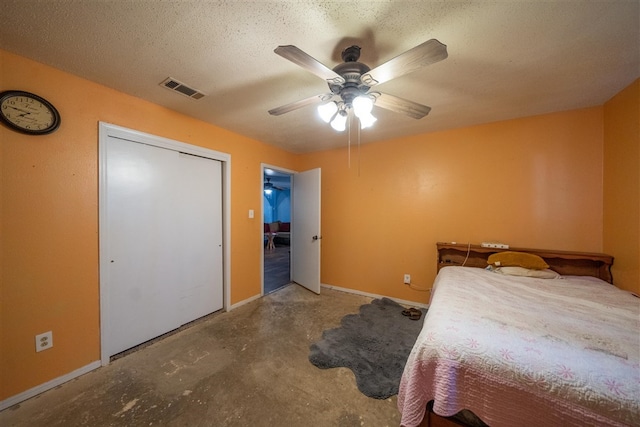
[359, 151]
[349, 144]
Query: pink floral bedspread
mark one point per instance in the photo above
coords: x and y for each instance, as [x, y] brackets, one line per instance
[520, 351]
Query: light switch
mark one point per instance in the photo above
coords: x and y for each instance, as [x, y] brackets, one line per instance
[250, 213]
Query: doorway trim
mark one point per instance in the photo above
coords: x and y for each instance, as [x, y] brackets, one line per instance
[264, 166]
[107, 130]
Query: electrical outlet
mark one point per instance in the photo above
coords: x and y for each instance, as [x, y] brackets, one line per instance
[44, 341]
[494, 245]
[407, 279]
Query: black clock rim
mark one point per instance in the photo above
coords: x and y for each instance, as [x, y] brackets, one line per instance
[56, 115]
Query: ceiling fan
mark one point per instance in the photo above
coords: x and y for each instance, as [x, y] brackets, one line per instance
[350, 83]
[268, 186]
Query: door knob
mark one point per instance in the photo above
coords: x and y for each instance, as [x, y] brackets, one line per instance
[316, 237]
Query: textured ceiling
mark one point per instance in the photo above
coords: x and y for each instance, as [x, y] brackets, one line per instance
[507, 59]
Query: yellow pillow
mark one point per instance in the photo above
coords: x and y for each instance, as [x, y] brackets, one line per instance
[517, 259]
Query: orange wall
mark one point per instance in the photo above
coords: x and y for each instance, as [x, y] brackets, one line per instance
[49, 217]
[533, 182]
[622, 185]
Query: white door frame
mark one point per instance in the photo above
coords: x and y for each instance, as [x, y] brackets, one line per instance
[264, 166]
[107, 130]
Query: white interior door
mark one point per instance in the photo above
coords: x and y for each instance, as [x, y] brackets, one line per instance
[163, 260]
[305, 229]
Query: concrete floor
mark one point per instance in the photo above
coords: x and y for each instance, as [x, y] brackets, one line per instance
[247, 367]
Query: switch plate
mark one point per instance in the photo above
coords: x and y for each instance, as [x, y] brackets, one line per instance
[44, 341]
[250, 213]
[407, 279]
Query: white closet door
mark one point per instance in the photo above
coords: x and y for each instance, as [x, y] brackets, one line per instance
[199, 231]
[164, 241]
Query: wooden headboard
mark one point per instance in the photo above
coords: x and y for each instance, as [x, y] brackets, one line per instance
[563, 262]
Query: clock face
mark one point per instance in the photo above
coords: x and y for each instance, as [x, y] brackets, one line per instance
[28, 113]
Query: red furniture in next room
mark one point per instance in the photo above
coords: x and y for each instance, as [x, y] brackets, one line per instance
[277, 232]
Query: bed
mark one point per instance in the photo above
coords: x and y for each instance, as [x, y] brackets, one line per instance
[504, 350]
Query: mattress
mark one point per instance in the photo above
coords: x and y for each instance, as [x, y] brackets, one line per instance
[523, 351]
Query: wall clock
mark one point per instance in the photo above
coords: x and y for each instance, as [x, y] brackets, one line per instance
[28, 113]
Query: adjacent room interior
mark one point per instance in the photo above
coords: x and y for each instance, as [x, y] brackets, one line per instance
[276, 210]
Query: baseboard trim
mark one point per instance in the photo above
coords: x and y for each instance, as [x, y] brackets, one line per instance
[32, 392]
[367, 294]
[244, 301]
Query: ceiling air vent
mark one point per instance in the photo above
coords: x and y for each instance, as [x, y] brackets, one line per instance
[176, 86]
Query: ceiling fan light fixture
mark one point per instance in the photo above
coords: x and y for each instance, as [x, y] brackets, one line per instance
[327, 111]
[268, 186]
[362, 105]
[339, 123]
[366, 120]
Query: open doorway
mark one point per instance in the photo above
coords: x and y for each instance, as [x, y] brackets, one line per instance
[276, 214]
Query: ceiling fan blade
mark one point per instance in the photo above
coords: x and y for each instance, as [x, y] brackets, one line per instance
[424, 54]
[315, 99]
[400, 105]
[309, 63]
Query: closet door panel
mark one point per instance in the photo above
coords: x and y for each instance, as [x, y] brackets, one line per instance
[164, 237]
[200, 232]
